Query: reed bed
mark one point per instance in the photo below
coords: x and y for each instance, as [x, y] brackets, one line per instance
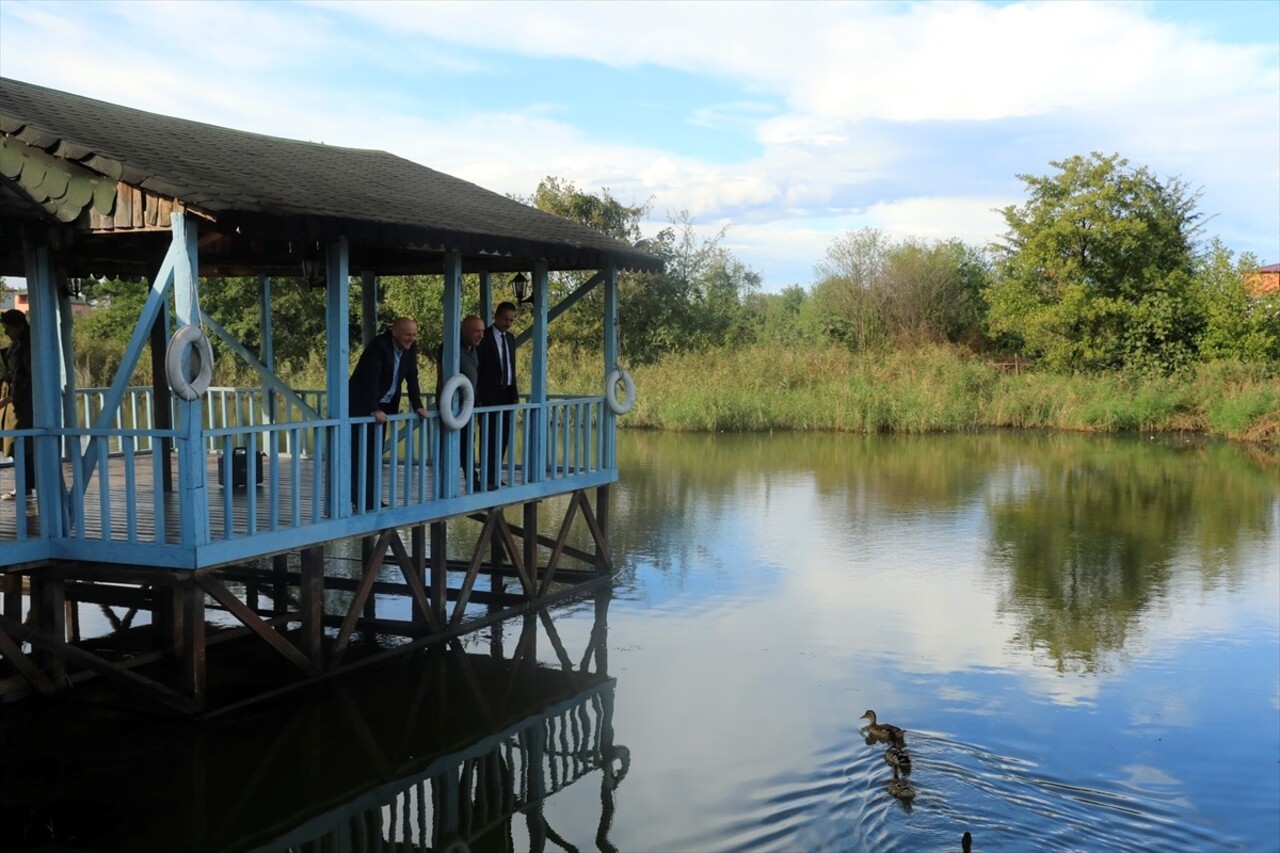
[931, 389]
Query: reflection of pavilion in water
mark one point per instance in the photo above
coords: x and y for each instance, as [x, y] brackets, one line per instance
[444, 750]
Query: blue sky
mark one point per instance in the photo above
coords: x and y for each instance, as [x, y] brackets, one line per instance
[789, 123]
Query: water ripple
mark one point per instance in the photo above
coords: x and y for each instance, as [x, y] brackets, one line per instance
[1008, 804]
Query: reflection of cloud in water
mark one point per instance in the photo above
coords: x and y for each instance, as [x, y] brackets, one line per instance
[920, 590]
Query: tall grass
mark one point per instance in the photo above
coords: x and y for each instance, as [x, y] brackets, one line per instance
[930, 389]
[934, 389]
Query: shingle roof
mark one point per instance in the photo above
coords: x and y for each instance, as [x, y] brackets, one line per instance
[253, 185]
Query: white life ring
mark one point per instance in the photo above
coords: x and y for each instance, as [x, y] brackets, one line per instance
[619, 407]
[457, 382]
[189, 340]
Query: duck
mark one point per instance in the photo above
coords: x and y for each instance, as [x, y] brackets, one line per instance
[883, 731]
[966, 842]
[898, 758]
[901, 788]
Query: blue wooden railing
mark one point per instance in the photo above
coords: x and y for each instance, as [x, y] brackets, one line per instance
[115, 480]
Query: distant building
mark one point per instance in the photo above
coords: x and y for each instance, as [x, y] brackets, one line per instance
[1265, 280]
[19, 299]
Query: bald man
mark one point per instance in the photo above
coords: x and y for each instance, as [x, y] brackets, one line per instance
[389, 362]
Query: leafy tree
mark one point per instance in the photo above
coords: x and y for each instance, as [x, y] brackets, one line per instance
[1092, 272]
[850, 287]
[696, 302]
[934, 291]
[101, 335]
[583, 326]
[1239, 324]
[873, 290]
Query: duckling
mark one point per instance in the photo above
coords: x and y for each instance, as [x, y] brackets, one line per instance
[883, 731]
[966, 842]
[901, 788]
[898, 758]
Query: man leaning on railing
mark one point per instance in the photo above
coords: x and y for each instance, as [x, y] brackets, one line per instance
[388, 362]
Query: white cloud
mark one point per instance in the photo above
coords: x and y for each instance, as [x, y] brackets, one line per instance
[881, 104]
[976, 221]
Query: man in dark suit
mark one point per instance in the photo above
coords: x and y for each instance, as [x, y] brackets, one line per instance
[389, 362]
[497, 385]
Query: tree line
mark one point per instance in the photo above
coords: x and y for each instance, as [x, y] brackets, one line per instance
[1103, 267]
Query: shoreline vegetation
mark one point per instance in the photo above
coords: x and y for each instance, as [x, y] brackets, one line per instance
[928, 389]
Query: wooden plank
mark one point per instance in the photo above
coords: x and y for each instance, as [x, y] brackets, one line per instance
[123, 214]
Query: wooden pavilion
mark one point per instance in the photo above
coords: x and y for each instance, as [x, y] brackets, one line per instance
[130, 507]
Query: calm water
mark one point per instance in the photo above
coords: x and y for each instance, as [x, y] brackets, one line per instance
[1081, 636]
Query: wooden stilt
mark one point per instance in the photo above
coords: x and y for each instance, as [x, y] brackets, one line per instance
[530, 536]
[48, 609]
[418, 555]
[73, 621]
[11, 586]
[194, 673]
[280, 585]
[604, 560]
[495, 557]
[439, 569]
[367, 544]
[168, 618]
[312, 598]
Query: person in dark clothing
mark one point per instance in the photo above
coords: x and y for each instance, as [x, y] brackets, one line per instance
[17, 368]
[470, 335]
[497, 372]
[389, 362]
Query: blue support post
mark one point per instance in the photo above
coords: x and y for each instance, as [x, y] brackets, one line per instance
[536, 451]
[266, 351]
[368, 306]
[337, 362]
[65, 323]
[193, 488]
[486, 297]
[610, 422]
[45, 361]
[446, 468]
